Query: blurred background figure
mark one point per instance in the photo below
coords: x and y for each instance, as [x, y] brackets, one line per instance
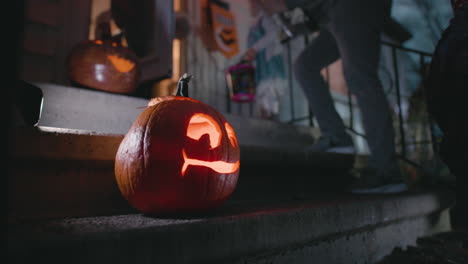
[350, 30]
[265, 50]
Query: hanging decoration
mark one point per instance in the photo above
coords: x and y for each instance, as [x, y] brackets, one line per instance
[218, 30]
[240, 80]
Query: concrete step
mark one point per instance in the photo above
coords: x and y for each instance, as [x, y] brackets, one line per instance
[64, 166]
[318, 229]
[106, 113]
[67, 172]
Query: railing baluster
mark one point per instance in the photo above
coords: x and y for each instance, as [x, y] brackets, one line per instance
[309, 109]
[228, 99]
[429, 119]
[350, 109]
[400, 110]
[290, 79]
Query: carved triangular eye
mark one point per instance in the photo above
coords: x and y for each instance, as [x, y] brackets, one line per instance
[201, 124]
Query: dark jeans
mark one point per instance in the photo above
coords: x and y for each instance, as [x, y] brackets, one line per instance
[350, 30]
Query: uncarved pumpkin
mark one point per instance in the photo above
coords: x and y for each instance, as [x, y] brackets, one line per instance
[180, 155]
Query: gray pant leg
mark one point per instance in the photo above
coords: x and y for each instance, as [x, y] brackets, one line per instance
[356, 26]
[320, 53]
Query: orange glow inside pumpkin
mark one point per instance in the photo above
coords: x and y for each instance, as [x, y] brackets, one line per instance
[231, 134]
[218, 166]
[121, 64]
[199, 125]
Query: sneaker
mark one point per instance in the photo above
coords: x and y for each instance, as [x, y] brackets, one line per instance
[328, 144]
[369, 181]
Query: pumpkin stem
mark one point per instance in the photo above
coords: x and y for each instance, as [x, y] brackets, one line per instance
[182, 85]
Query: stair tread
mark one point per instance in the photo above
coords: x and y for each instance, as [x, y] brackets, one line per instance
[390, 207]
[229, 235]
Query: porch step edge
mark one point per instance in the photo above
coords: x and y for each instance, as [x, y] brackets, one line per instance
[233, 233]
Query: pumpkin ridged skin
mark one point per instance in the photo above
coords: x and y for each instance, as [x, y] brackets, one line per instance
[149, 160]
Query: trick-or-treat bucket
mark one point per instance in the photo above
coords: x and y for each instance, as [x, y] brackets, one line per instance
[241, 82]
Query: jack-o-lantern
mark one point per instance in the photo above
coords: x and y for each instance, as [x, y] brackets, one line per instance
[105, 65]
[179, 156]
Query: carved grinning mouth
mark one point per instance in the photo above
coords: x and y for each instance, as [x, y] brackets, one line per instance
[199, 125]
[218, 166]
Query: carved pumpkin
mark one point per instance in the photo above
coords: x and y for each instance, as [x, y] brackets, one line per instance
[103, 65]
[180, 155]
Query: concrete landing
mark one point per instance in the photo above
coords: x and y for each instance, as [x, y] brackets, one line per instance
[333, 229]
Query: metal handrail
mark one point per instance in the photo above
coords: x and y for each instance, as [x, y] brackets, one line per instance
[400, 47]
